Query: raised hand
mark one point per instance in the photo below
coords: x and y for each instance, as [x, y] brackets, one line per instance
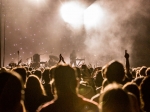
[126, 54]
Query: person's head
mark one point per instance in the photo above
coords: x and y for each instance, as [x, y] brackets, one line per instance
[30, 68]
[33, 85]
[115, 72]
[64, 79]
[138, 80]
[114, 99]
[133, 88]
[142, 71]
[11, 92]
[147, 72]
[133, 72]
[21, 71]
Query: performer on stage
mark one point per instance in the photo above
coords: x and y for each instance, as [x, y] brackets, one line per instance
[73, 58]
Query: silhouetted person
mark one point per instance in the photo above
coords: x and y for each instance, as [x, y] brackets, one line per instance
[67, 100]
[34, 94]
[114, 99]
[46, 83]
[128, 76]
[73, 58]
[115, 72]
[112, 72]
[61, 58]
[133, 88]
[11, 92]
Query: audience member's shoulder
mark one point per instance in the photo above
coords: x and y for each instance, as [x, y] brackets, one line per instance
[96, 98]
[46, 107]
[91, 106]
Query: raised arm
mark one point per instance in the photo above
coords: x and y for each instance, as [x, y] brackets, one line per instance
[127, 64]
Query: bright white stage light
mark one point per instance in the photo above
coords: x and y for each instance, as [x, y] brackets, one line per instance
[93, 15]
[72, 13]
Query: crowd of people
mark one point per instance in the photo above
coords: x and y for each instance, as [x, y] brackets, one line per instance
[65, 88]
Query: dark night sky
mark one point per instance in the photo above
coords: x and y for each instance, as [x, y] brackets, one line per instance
[32, 28]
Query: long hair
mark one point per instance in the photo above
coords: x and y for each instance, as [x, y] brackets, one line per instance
[34, 86]
[11, 91]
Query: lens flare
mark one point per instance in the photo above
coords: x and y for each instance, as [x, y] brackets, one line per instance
[72, 13]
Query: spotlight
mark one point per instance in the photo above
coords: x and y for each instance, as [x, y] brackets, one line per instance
[93, 15]
[72, 12]
[86, 3]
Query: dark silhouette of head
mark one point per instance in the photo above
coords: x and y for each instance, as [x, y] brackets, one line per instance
[142, 71]
[147, 72]
[30, 68]
[133, 88]
[65, 79]
[11, 92]
[34, 93]
[33, 85]
[115, 72]
[114, 99]
[133, 72]
[138, 80]
[22, 71]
